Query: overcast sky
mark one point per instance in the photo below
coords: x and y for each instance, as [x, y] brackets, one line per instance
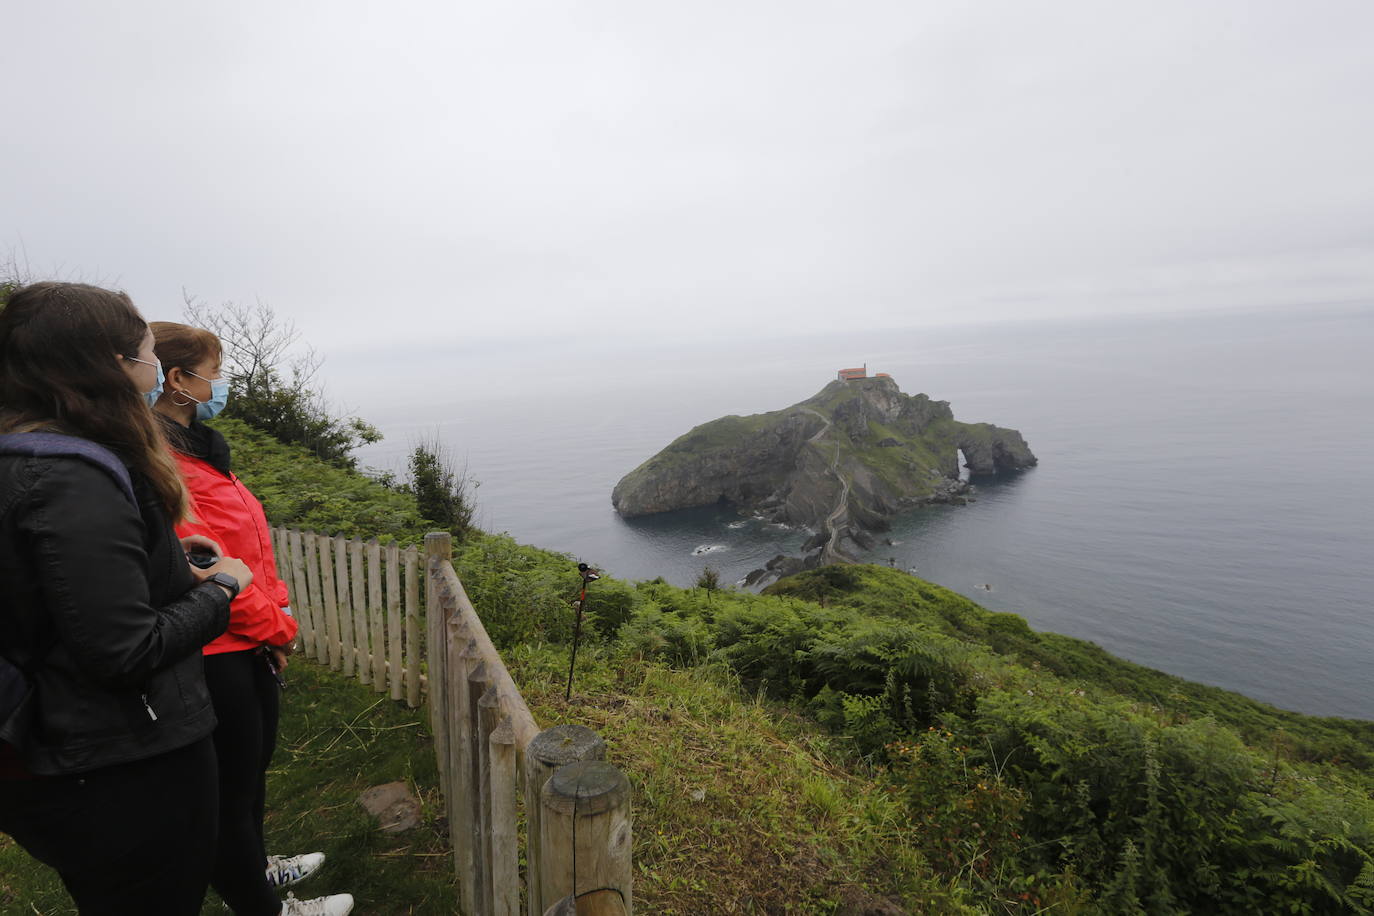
[410, 176]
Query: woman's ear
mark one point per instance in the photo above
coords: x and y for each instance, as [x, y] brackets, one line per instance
[175, 377]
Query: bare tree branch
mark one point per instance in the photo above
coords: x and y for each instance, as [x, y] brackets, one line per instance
[255, 340]
[275, 378]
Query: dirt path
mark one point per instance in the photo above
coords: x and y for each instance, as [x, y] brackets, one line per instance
[831, 553]
[824, 429]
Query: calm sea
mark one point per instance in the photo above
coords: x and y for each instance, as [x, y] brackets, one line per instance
[1203, 505]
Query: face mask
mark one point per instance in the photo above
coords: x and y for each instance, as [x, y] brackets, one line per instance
[219, 396]
[156, 393]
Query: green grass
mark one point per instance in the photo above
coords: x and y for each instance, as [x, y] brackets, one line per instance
[297, 490]
[337, 739]
[831, 396]
[739, 805]
[880, 593]
[725, 433]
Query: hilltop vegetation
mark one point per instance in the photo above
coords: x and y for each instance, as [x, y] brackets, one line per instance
[1030, 770]
[887, 451]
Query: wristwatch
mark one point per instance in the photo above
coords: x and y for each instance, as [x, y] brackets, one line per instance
[226, 580]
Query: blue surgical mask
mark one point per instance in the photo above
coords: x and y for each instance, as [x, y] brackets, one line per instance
[156, 393]
[219, 396]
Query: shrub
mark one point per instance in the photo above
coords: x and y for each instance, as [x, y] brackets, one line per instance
[675, 638]
[709, 580]
[525, 594]
[299, 492]
[442, 489]
[274, 381]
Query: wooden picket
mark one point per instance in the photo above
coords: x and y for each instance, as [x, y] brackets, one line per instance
[359, 606]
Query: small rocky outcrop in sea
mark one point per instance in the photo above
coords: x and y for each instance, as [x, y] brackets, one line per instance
[842, 462]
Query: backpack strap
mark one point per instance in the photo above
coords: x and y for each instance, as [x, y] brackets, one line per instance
[16, 692]
[56, 445]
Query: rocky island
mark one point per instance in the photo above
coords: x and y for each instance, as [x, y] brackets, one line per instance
[841, 462]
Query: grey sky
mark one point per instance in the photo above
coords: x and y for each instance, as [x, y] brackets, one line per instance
[420, 174]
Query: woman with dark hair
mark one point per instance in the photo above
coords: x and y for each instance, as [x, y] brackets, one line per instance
[242, 665]
[107, 770]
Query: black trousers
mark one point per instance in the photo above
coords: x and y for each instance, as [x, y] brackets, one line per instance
[247, 701]
[133, 838]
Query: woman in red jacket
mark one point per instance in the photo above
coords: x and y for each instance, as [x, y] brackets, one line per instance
[242, 666]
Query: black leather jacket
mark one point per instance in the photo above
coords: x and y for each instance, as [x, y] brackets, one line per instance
[98, 605]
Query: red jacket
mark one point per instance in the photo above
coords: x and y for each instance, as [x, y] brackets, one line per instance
[230, 515]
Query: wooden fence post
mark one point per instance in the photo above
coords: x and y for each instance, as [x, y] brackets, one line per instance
[393, 617]
[549, 750]
[462, 804]
[488, 718]
[281, 555]
[323, 591]
[345, 632]
[505, 850]
[300, 593]
[311, 568]
[478, 680]
[359, 602]
[329, 581]
[377, 615]
[413, 650]
[597, 796]
[438, 549]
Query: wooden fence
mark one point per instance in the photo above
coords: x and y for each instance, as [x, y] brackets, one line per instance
[359, 608]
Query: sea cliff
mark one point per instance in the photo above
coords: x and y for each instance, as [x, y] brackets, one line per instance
[841, 462]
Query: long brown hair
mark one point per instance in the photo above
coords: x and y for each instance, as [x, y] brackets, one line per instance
[58, 371]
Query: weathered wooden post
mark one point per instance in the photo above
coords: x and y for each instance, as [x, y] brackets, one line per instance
[462, 658]
[549, 750]
[478, 681]
[281, 554]
[324, 546]
[438, 549]
[585, 820]
[344, 604]
[488, 718]
[413, 651]
[393, 619]
[302, 605]
[505, 846]
[359, 601]
[310, 544]
[377, 613]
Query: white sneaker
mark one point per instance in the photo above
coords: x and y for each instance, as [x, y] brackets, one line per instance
[333, 905]
[286, 870]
